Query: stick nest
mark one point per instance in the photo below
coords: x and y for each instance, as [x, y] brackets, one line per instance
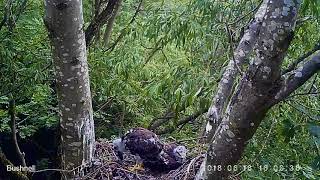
[107, 166]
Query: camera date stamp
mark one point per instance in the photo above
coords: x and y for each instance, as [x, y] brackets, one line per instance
[263, 168]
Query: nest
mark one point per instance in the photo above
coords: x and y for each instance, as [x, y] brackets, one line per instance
[108, 166]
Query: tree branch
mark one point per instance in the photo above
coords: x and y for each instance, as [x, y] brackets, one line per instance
[302, 58]
[110, 23]
[181, 122]
[249, 102]
[293, 80]
[225, 86]
[12, 114]
[99, 21]
[124, 30]
[161, 120]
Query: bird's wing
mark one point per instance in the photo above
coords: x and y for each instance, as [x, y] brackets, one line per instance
[143, 142]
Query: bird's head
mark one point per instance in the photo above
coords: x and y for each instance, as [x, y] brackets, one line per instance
[119, 146]
[180, 153]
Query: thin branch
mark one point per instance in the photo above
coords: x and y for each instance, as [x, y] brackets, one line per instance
[299, 110]
[106, 104]
[313, 83]
[231, 42]
[182, 122]
[99, 21]
[157, 122]
[190, 139]
[293, 80]
[302, 58]
[124, 30]
[244, 16]
[110, 23]
[304, 94]
[12, 114]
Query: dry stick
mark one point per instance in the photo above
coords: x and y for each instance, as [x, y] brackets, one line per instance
[189, 166]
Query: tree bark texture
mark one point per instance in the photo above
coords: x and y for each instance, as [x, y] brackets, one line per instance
[235, 116]
[64, 22]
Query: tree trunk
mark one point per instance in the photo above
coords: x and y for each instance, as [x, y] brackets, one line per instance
[235, 116]
[109, 27]
[64, 22]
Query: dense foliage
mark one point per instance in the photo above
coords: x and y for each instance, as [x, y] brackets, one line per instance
[164, 59]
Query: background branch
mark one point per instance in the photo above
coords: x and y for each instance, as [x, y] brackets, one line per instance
[109, 27]
[293, 80]
[302, 58]
[181, 122]
[99, 21]
[12, 115]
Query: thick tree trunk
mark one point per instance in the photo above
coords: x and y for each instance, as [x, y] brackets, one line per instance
[64, 21]
[260, 88]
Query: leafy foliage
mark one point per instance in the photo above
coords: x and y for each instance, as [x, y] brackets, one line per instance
[167, 58]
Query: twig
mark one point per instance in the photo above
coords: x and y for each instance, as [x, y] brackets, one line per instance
[244, 16]
[189, 166]
[232, 50]
[313, 82]
[183, 121]
[110, 99]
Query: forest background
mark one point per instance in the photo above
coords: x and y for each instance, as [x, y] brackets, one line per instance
[158, 68]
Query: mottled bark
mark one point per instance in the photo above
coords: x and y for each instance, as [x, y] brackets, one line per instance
[258, 87]
[294, 79]
[226, 83]
[64, 21]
